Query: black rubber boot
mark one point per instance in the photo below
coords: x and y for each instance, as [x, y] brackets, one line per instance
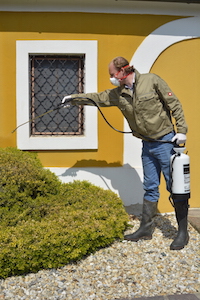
[146, 228]
[182, 238]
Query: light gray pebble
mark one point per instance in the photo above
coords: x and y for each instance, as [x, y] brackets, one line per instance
[124, 269]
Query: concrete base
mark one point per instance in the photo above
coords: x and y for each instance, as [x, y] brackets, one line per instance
[194, 218]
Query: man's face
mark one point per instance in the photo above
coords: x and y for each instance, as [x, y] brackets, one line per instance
[114, 72]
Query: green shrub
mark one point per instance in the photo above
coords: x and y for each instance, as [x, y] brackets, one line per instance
[24, 183]
[46, 223]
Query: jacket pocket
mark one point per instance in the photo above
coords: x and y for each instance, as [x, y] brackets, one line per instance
[149, 105]
[147, 97]
[151, 111]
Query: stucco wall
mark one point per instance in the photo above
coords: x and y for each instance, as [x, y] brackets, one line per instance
[112, 165]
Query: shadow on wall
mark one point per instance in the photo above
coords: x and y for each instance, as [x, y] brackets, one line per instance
[124, 180]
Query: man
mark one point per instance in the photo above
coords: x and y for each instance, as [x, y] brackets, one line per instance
[148, 104]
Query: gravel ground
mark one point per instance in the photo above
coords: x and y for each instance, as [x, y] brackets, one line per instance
[124, 269]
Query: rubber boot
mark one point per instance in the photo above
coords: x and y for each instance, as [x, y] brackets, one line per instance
[146, 228]
[182, 238]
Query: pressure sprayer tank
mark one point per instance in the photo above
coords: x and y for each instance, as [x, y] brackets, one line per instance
[180, 172]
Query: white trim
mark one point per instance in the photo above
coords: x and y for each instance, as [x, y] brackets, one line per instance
[144, 58]
[24, 140]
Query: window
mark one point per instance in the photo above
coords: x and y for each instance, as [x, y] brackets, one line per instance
[57, 68]
[51, 78]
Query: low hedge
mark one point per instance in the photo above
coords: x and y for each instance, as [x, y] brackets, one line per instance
[46, 223]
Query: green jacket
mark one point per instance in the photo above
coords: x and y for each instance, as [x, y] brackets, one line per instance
[148, 109]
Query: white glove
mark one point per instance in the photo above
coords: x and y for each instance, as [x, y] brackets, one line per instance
[65, 100]
[180, 138]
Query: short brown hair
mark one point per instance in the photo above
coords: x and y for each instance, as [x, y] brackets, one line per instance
[121, 62]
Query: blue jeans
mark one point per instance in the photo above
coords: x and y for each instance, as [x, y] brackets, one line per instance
[156, 159]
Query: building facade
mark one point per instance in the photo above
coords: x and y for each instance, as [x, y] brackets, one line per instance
[161, 38]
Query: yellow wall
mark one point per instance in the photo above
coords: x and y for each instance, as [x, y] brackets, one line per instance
[116, 35]
[179, 65]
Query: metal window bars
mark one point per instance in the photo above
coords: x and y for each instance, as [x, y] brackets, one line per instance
[51, 78]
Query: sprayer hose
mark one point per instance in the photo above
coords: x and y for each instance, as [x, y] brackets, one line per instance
[95, 104]
[125, 132]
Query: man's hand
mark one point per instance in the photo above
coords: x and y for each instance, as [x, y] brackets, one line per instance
[179, 138]
[66, 100]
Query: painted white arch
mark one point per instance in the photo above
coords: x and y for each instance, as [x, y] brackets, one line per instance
[162, 38]
[144, 58]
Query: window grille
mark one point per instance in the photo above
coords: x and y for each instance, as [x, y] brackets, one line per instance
[51, 78]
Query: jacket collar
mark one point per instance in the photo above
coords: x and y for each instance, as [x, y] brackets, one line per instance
[125, 90]
[137, 76]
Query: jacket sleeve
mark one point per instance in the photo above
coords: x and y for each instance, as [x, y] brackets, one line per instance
[103, 99]
[172, 103]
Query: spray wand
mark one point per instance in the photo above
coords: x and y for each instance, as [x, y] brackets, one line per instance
[33, 119]
[67, 100]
